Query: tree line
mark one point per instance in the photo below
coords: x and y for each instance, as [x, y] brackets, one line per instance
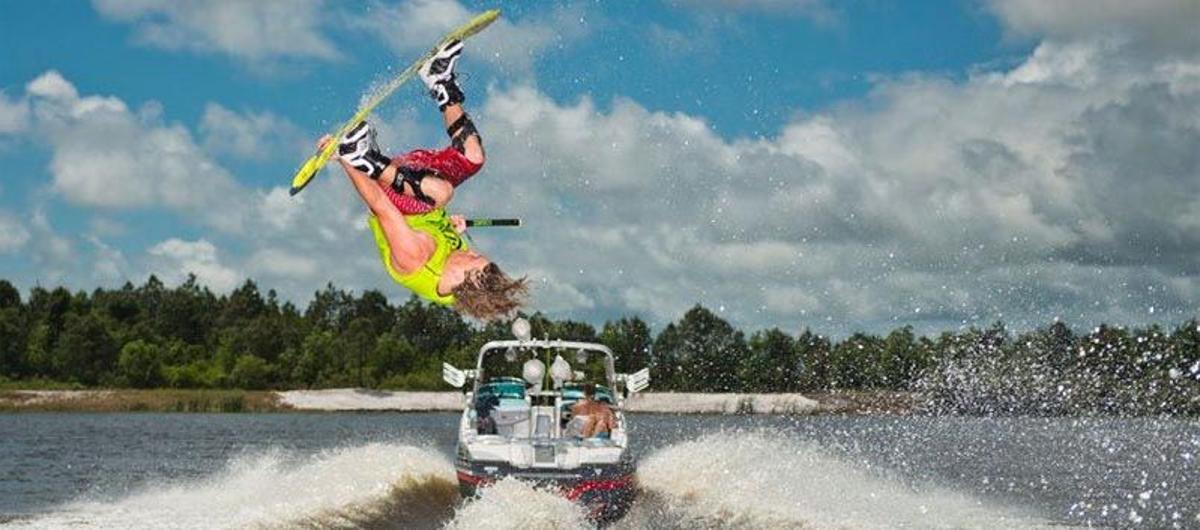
[188, 337]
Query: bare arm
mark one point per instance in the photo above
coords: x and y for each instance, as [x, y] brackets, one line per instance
[610, 420]
[370, 193]
[459, 222]
[410, 249]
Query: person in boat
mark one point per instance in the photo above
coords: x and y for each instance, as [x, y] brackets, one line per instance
[422, 248]
[591, 418]
[484, 405]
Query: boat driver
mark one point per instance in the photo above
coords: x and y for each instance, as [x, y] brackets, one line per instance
[591, 418]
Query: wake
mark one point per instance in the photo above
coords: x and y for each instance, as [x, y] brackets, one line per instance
[355, 487]
[734, 480]
[766, 480]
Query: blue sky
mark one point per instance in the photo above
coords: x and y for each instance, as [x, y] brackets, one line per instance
[852, 165]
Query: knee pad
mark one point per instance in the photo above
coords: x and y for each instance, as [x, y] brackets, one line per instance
[412, 177]
[460, 130]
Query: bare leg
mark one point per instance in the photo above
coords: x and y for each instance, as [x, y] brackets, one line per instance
[433, 187]
[370, 193]
[436, 188]
[472, 147]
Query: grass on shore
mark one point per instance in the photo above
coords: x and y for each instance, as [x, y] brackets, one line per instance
[128, 400]
[37, 384]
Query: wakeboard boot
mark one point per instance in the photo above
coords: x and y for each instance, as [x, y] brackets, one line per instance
[359, 148]
[438, 75]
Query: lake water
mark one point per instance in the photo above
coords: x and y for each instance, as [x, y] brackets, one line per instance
[383, 470]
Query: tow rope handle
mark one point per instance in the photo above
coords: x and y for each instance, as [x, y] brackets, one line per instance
[493, 222]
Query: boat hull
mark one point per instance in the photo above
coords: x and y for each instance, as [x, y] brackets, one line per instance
[606, 491]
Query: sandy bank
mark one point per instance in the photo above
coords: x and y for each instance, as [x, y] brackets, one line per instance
[136, 400]
[36, 398]
[694, 403]
[681, 403]
[359, 399]
[365, 399]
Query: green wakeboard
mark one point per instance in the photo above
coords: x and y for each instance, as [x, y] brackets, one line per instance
[317, 161]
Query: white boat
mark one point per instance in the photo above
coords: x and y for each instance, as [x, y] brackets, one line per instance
[521, 427]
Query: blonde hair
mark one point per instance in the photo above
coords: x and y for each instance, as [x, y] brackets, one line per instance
[489, 294]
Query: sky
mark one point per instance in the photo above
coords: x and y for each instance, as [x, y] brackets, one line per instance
[839, 166]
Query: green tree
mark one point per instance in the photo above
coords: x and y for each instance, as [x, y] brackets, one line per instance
[709, 351]
[189, 312]
[10, 297]
[774, 363]
[244, 304]
[373, 306]
[13, 331]
[313, 360]
[120, 306]
[195, 374]
[391, 356]
[573, 330]
[50, 309]
[857, 363]
[85, 352]
[252, 373]
[431, 328]
[330, 309]
[901, 359]
[667, 359]
[262, 336]
[13, 340]
[150, 299]
[358, 342]
[38, 351]
[629, 339]
[139, 364]
[815, 354]
[1056, 344]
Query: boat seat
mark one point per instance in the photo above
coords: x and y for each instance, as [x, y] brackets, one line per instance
[511, 421]
[542, 427]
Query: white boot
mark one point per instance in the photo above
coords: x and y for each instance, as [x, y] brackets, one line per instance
[358, 147]
[438, 75]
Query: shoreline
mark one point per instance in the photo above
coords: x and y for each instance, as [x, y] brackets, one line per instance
[364, 400]
[136, 400]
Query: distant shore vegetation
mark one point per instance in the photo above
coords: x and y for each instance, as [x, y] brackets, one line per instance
[187, 337]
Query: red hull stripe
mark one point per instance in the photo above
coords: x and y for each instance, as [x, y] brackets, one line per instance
[473, 480]
[600, 485]
[572, 494]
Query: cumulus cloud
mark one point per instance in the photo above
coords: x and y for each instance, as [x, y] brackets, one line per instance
[278, 263]
[53, 254]
[254, 31]
[1170, 23]
[13, 234]
[106, 155]
[815, 10]
[1064, 186]
[512, 46]
[52, 85]
[14, 114]
[624, 206]
[249, 135]
[109, 265]
[173, 259]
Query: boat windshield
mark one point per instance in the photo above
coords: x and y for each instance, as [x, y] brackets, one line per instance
[504, 388]
[572, 392]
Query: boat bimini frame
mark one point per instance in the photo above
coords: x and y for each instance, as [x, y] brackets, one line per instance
[633, 383]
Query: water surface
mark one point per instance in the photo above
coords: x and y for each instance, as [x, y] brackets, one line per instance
[387, 470]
